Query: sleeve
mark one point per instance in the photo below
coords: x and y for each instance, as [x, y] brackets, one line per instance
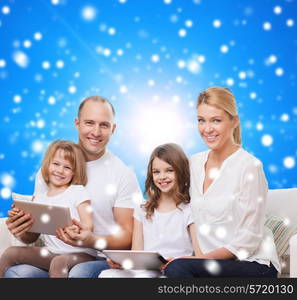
[188, 217]
[250, 211]
[128, 192]
[80, 194]
[138, 213]
[40, 186]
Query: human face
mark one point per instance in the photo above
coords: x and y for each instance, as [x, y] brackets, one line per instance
[163, 175]
[216, 127]
[95, 127]
[60, 171]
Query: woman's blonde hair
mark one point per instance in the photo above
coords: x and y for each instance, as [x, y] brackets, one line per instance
[221, 98]
[173, 155]
[72, 153]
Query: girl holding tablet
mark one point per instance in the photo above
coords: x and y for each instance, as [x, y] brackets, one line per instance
[63, 169]
[164, 222]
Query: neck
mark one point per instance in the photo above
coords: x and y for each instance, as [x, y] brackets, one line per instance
[220, 155]
[90, 156]
[55, 190]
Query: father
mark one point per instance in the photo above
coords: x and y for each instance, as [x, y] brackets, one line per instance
[111, 185]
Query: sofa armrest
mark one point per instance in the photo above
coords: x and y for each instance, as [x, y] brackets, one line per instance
[293, 256]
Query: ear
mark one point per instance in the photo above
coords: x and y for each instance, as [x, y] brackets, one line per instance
[235, 121]
[76, 123]
[114, 126]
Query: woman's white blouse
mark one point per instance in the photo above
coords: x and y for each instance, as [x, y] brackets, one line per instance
[231, 212]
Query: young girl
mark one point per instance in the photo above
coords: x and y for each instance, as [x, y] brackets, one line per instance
[164, 222]
[63, 169]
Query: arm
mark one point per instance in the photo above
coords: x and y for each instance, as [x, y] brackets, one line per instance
[137, 240]
[85, 214]
[85, 238]
[194, 239]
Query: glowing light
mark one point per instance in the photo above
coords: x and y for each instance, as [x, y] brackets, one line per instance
[155, 58]
[214, 173]
[111, 31]
[37, 36]
[51, 100]
[17, 98]
[44, 252]
[60, 64]
[7, 180]
[5, 10]
[100, 244]
[279, 71]
[5, 192]
[189, 23]
[27, 44]
[267, 140]
[46, 65]
[88, 13]
[111, 189]
[289, 162]
[2, 63]
[182, 32]
[181, 64]
[224, 49]
[242, 254]
[217, 23]
[212, 267]
[277, 10]
[290, 22]
[45, 218]
[285, 117]
[21, 59]
[204, 229]
[72, 89]
[267, 26]
[127, 264]
[153, 127]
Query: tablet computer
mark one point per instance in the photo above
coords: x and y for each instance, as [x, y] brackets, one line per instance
[136, 259]
[47, 218]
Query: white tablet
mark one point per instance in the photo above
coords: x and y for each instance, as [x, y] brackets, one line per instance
[136, 260]
[47, 218]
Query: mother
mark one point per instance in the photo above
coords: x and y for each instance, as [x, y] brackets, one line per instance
[228, 199]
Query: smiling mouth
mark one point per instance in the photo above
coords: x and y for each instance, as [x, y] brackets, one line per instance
[210, 138]
[95, 141]
[164, 184]
[58, 177]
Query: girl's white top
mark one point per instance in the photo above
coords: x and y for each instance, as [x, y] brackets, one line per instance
[167, 232]
[72, 197]
[231, 212]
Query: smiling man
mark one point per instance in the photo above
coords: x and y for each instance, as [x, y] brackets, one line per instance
[112, 186]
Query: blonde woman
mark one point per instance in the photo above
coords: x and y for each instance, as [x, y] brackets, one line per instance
[228, 199]
[63, 169]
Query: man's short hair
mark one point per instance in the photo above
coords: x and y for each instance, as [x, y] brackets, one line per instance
[97, 99]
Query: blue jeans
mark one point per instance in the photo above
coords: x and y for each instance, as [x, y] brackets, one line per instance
[188, 267]
[90, 269]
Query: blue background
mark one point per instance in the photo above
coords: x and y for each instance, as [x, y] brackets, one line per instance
[151, 58]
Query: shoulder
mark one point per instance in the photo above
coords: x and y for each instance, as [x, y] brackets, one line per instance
[248, 160]
[198, 156]
[185, 207]
[116, 163]
[78, 191]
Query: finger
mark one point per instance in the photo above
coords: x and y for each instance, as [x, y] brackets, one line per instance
[64, 237]
[77, 223]
[72, 234]
[14, 218]
[17, 220]
[18, 231]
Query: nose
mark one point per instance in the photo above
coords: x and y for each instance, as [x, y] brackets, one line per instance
[59, 169]
[96, 130]
[208, 127]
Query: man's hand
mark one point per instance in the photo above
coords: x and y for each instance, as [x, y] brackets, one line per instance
[82, 236]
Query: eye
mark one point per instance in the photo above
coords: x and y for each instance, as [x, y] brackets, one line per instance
[155, 172]
[68, 168]
[200, 121]
[170, 170]
[217, 121]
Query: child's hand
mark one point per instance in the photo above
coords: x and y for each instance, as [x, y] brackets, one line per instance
[14, 211]
[163, 266]
[73, 228]
[112, 264]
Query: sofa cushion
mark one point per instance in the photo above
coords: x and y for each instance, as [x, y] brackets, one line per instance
[282, 232]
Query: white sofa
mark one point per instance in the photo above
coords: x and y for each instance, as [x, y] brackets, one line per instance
[281, 218]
